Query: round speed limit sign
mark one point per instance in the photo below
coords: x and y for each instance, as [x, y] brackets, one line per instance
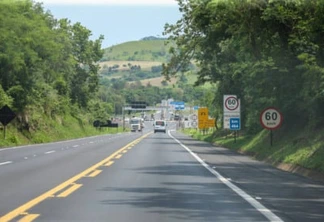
[231, 103]
[271, 118]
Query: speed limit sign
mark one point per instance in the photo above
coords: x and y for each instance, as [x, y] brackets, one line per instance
[231, 103]
[271, 118]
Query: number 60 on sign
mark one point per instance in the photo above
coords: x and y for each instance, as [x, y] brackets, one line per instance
[271, 118]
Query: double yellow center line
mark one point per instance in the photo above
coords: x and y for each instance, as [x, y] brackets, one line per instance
[68, 186]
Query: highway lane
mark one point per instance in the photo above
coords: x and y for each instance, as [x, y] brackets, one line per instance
[290, 196]
[22, 153]
[32, 170]
[157, 177]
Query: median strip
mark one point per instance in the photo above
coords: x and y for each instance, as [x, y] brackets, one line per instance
[70, 190]
[94, 173]
[29, 218]
[118, 156]
[109, 163]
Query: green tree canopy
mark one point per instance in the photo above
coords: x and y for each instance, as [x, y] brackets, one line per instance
[44, 60]
[269, 53]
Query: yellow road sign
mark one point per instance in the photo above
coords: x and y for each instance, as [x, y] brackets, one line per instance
[202, 124]
[211, 123]
[202, 114]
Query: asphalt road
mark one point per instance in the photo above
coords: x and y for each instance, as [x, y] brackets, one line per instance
[149, 177]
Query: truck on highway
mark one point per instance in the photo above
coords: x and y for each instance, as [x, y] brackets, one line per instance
[136, 124]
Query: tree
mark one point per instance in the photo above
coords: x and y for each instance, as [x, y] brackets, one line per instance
[86, 52]
[4, 98]
[45, 62]
[268, 53]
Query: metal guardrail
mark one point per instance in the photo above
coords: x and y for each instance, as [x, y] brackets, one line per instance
[147, 108]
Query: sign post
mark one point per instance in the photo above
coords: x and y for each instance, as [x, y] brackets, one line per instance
[232, 113]
[178, 105]
[235, 124]
[6, 116]
[232, 109]
[202, 118]
[271, 119]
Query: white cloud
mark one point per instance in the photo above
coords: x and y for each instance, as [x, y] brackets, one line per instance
[109, 2]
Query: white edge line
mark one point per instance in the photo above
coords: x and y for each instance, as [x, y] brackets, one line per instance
[256, 204]
[4, 163]
[49, 152]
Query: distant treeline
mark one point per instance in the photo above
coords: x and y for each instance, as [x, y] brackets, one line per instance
[153, 38]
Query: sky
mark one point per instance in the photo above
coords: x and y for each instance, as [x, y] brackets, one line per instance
[118, 20]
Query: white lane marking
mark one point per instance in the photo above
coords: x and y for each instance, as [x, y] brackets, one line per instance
[25, 158]
[49, 152]
[75, 146]
[42, 144]
[5, 163]
[256, 204]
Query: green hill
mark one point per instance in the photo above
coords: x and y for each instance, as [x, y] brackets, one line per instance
[138, 61]
[142, 50]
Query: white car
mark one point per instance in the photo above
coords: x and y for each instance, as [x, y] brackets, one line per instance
[160, 126]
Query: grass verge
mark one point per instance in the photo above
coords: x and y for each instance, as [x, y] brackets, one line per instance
[297, 147]
[50, 130]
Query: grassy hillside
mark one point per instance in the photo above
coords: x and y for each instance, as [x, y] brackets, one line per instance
[48, 129]
[158, 82]
[295, 150]
[135, 60]
[143, 50]
[138, 61]
[123, 65]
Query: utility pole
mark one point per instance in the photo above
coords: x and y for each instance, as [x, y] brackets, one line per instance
[123, 113]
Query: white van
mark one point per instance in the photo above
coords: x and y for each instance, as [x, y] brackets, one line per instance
[159, 126]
